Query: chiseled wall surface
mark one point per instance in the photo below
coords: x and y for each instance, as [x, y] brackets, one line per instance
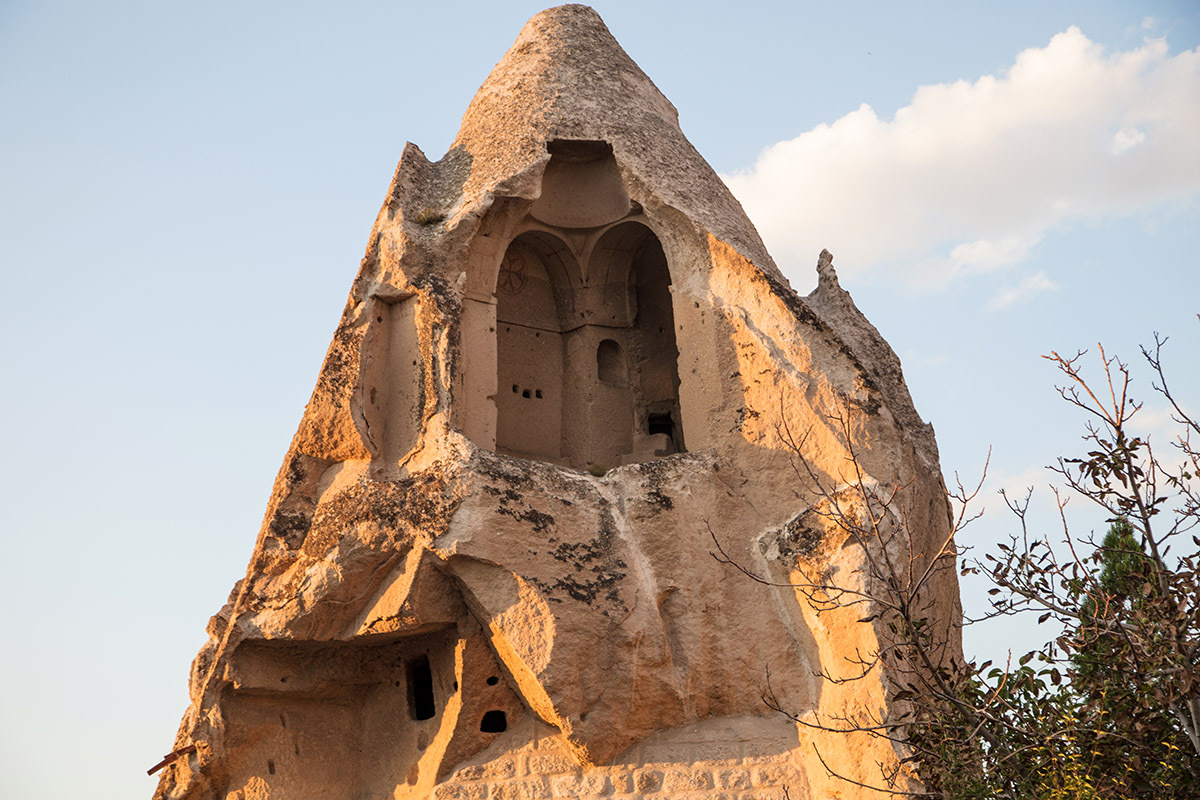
[729, 759]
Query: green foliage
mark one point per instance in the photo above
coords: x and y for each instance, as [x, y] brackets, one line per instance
[1110, 708]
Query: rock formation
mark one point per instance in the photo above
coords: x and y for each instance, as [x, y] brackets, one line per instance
[485, 569]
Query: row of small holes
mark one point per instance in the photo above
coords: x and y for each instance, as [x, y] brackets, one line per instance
[525, 392]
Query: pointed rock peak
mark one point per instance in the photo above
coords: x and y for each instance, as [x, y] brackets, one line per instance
[826, 274]
[836, 309]
[567, 79]
[565, 64]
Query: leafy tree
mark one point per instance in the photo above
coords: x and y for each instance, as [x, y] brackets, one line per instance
[1129, 609]
[1110, 708]
[1133, 765]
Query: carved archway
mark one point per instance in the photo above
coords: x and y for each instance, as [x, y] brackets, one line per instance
[536, 287]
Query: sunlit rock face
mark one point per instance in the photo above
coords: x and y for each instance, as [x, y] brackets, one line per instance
[486, 569]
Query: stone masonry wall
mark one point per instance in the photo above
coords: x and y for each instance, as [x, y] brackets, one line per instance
[723, 759]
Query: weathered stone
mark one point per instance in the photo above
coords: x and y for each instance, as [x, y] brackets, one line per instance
[526, 789]
[732, 779]
[648, 780]
[679, 781]
[485, 566]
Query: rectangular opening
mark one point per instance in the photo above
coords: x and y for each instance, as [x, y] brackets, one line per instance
[660, 423]
[420, 689]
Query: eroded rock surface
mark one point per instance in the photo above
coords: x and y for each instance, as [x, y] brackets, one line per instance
[486, 567]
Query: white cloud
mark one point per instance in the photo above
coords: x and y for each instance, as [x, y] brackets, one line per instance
[1125, 139]
[1159, 424]
[1016, 484]
[968, 177]
[973, 258]
[1026, 288]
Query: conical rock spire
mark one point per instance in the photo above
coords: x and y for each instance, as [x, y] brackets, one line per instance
[565, 365]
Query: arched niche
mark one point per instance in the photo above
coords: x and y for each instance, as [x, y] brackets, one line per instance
[611, 366]
[581, 186]
[535, 306]
[632, 300]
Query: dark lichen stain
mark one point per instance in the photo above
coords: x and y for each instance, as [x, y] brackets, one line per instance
[872, 403]
[592, 570]
[514, 473]
[340, 370]
[655, 497]
[586, 591]
[290, 527]
[405, 507]
[595, 568]
[516, 480]
[510, 506]
[539, 520]
[654, 474]
[741, 416]
[290, 522]
[797, 538]
[295, 469]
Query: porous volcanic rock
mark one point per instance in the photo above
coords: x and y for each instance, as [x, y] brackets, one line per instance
[566, 364]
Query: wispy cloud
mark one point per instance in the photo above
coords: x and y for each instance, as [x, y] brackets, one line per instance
[914, 359]
[972, 258]
[969, 176]
[1025, 289]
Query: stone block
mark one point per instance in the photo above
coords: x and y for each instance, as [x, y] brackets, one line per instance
[551, 764]
[732, 778]
[525, 789]
[461, 791]
[471, 773]
[594, 784]
[683, 780]
[771, 775]
[622, 782]
[647, 781]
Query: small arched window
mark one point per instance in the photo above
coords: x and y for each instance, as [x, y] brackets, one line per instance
[610, 364]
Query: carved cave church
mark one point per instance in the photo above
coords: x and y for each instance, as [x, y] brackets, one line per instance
[485, 569]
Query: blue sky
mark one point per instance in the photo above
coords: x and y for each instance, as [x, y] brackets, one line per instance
[186, 191]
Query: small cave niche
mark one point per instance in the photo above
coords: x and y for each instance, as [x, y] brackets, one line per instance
[660, 423]
[494, 721]
[343, 724]
[610, 363]
[421, 702]
[392, 391]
